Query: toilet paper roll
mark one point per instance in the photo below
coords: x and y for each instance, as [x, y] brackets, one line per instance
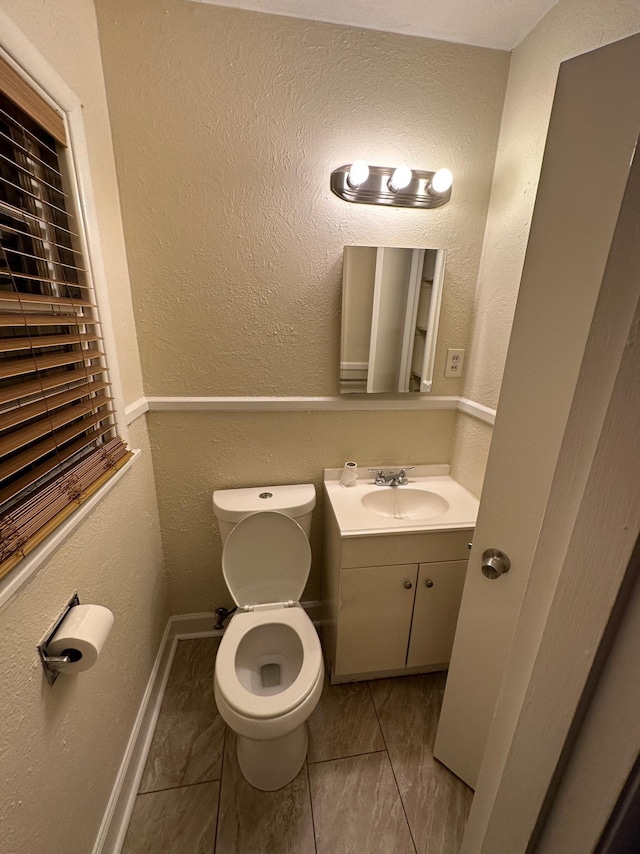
[349, 474]
[81, 636]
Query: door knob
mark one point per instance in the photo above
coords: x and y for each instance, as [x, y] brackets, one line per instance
[495, 563]
[408, 585]
[428, 583]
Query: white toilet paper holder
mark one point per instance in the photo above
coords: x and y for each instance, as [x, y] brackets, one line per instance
[53, 665]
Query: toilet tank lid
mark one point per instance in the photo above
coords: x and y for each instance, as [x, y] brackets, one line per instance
[293, 500]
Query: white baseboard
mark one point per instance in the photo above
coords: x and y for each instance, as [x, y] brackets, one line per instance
[115, 822]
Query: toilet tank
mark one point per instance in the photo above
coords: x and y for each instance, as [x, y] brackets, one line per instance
[296, 500]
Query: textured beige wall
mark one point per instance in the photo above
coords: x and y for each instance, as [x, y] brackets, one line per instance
[61, 747]
[471, 443]
[227, 125]
[224, 450]
[572, 27]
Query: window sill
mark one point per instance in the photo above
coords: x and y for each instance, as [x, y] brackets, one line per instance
[14, 581]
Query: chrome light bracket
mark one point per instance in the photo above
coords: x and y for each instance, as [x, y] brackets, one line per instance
[375, 190]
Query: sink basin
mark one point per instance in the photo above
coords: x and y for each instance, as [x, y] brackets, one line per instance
[432, 501]
[402, 502]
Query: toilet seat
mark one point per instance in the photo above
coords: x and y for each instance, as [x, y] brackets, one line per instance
[266, 559]
[256, 706]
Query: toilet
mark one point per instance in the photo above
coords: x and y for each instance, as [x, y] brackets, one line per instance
[269, 670]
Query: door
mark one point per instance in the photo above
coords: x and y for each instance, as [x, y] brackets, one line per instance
[438, 595]
[374, 618]
[593, 132]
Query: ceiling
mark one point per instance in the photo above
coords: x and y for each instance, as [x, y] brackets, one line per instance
[487, 23]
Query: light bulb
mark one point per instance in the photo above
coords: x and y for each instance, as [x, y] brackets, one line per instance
[441, 181]
[358, 174]
[400, 179]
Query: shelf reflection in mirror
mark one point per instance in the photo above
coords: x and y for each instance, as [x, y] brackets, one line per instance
[391, 300]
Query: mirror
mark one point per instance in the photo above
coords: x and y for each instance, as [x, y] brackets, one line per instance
[390, 312]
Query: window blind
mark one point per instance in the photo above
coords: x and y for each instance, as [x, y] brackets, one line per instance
[58, 441]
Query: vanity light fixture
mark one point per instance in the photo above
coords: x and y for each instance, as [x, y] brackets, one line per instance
[358, 174]
[400, 179]
[386, 185]
[441, 182]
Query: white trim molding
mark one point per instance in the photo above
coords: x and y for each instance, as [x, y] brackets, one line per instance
[332, 403]
[115, 820]
[134, 410]
[296, 404]
[477, 410]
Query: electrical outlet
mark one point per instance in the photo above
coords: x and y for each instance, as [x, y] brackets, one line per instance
[454, 363]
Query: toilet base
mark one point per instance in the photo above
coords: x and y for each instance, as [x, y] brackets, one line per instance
[270, 765]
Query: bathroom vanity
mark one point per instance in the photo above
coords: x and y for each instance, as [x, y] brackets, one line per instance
[395, 560]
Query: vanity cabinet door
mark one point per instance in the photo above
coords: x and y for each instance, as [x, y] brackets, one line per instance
[435, 613]
[374, 618]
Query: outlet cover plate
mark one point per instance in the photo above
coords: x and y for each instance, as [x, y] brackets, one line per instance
[455, 363]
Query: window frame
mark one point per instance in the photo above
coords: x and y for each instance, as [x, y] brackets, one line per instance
[18, 52]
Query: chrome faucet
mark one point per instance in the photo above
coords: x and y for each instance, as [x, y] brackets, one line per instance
[392, 478]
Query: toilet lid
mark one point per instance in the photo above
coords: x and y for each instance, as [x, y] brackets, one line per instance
[266, 558]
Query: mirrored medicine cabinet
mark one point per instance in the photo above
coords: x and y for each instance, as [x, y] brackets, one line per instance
[390, 313]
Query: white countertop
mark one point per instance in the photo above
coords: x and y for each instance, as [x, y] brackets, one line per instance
[355, 520]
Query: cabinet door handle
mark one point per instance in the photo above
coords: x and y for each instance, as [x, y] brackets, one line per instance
[428, 583]
[408, 585]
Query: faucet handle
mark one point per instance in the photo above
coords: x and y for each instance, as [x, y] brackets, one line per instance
[380, 478]
[402, 475]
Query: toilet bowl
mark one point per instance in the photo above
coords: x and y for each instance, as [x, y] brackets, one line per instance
[269, 670]
[268, 679]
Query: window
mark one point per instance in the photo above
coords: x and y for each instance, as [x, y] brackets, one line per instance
[58, 441]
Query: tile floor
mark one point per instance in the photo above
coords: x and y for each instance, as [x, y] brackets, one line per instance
[370, 784]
